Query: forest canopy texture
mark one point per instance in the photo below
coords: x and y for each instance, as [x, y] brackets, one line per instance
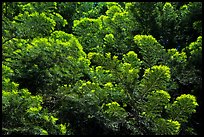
[101, 68]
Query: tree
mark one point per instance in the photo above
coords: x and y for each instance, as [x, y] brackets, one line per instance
[40, 65]
[105, 68]
[22, 112]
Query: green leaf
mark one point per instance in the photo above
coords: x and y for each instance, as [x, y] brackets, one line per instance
[182, 108]
[156, 102]
[150, 49]
[155, 78]
[166, 127]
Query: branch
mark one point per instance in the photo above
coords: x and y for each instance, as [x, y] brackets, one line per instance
[8, 39]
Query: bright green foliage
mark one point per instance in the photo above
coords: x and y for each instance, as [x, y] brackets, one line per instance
[63, 8]
[95, 34]
[37, 20]
[129, 69]
[28, 24]
[174, 60]
[101, 75]
[38, 6]
[90, 101]
[82, 9]
[50, 8]
[119, 24]
[166, 127]
[9, 11]
[31, 117]
[107, 61]
[195, 49]
[127, 73]
[109, 39]
[188, 15]
[78, 10]
[113, 107]
[170, 23]
[131, 57]
[90, 25]
[156, 101]
[143, 14]
[150, 49]
[186, 67]
[168, 12]
[7, 72]
[176, 56]
[88, 32]
[179, 112]
[101, 68]
[22, 112]
[12, 46]
[155, 78]
[115, 113]
[48, 62]
[112, 10]
[127, 23]
[78, 100]
[177, 62]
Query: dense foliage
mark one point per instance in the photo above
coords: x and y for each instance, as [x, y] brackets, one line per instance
[101, 68]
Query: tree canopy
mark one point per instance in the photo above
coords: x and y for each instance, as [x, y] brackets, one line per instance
[101, 68]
